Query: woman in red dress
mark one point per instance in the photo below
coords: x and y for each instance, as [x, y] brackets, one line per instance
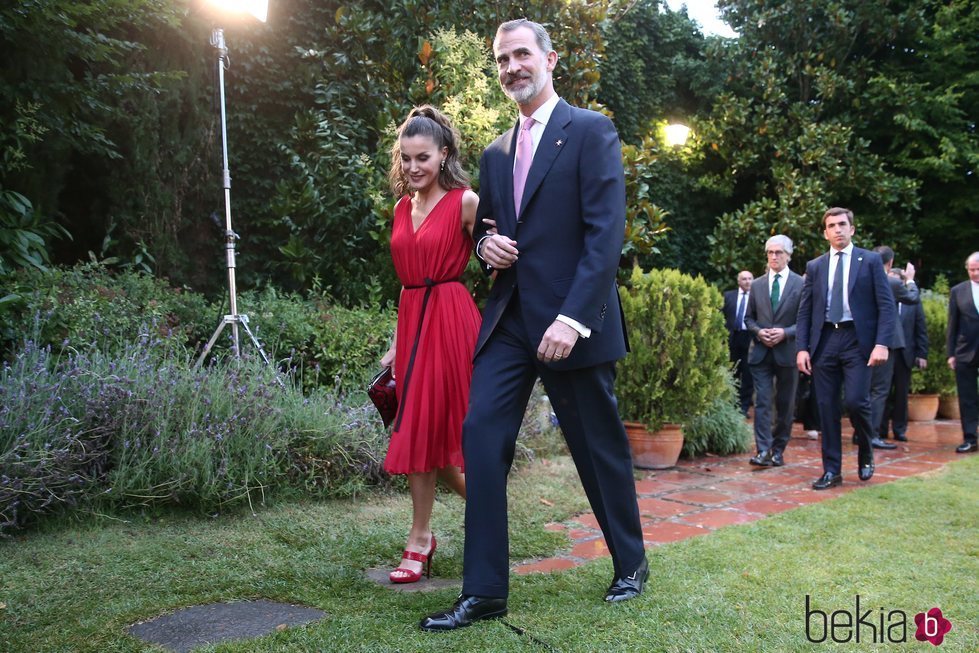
[438, 321]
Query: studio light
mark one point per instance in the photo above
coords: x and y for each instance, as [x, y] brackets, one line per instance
[258, 9]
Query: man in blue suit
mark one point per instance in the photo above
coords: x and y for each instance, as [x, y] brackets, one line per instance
[962, 345]
[555, 187]
[844, 328]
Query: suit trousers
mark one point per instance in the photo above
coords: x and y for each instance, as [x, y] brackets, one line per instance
[966, 379]
[504, 373]
[772, 431]
[838, 362]
[880, 387]
[739, 342]
[896, 412]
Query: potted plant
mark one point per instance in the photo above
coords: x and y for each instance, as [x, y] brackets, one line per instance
[929, 385]
[677, 360]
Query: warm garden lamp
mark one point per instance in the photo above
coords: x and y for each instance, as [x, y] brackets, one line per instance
[258, 9]
[676, 134]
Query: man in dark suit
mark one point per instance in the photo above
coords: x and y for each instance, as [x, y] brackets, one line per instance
[845, 325]
[963, 350]
[905, 294]
[739, 337]
[914, 354]
[553, 312]
[772, 310]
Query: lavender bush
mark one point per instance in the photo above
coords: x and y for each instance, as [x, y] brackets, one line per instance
[82, 429]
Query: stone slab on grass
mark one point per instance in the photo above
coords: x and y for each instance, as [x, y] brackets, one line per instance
[189, 628]
[380, 576]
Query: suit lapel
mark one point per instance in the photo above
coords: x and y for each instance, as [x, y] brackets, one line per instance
[551, 143]
[820, 287]
[855, 266]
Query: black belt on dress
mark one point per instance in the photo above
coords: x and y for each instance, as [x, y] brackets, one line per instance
[838, 325]
[429, 284]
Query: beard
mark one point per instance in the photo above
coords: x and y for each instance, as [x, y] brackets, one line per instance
[527, 92]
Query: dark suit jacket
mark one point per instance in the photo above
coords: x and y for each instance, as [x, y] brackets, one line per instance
[759, 316]
[736, 340]
[569, 232]
[871, 303]
[963, 325]
[915, 333]
[903, 294]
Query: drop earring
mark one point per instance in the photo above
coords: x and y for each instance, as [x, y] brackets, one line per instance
[442, 165]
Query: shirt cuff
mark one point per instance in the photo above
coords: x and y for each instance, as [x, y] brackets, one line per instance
[583, 331]
[479, 248]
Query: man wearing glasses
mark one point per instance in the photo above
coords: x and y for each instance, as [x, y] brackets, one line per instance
[772, 308]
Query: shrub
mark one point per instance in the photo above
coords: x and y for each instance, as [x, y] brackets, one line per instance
[936, 378]
[678, 348]
[95, 308]
[720, 430]
[329, 346]
[144, 428]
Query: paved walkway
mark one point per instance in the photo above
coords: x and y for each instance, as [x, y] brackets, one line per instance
[700, 496]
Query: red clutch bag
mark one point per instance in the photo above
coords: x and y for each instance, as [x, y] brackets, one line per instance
[384, 393]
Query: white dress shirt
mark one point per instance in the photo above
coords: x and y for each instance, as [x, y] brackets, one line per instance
[847, 259]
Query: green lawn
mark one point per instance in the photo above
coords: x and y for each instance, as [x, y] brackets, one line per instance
[909, 545]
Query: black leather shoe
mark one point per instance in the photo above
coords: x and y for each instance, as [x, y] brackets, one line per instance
[466, 611]
[877, 443]
[827, 481]
[629, 587]
[776, 459]
[865, 464]
[966, 447]
[763, 459]
[900, 437]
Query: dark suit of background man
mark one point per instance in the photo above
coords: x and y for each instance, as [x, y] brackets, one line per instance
[553, 312]
[963, 350]
[914, 354]
[739, 337]
[845, 326]
[905, 294]
[772, 310]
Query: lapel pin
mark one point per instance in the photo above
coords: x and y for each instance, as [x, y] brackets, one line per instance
[558, 142]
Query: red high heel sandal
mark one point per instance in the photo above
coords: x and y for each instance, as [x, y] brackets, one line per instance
[403, 575]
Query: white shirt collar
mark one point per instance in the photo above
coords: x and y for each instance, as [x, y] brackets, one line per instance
[848, 250]
[544, 111]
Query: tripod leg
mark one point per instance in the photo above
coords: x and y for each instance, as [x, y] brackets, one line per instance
[258, 345]
[210, 343]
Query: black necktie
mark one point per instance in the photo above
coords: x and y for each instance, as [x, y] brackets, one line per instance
[836, 294]
[739, 319]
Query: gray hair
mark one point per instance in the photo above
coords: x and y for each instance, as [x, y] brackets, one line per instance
[781, 240]
[543, 39]
[972, 258]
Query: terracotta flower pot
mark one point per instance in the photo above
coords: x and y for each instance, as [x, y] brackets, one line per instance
[654, 450]
[948, 407]
[922, 408]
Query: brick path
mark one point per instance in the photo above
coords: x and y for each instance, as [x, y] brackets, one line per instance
[699, 496]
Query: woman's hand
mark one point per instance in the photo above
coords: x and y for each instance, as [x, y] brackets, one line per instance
[387, 360]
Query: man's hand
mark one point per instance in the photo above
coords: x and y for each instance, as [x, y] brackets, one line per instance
[557, 343]
[772, 336]
[921, 363]
[803, 363]
[878, 356]
[951, 362]
[499, 251]
[908, 272]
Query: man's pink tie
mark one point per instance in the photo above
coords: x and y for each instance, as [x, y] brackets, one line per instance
[524, 157]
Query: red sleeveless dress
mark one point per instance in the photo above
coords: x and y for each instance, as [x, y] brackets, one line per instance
[434, 395]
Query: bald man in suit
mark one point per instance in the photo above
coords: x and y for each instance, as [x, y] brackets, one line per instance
[963, 350]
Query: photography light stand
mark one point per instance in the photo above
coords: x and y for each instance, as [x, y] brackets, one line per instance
[234, 319]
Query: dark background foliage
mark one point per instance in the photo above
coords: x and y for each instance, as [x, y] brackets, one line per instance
[110, 134]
